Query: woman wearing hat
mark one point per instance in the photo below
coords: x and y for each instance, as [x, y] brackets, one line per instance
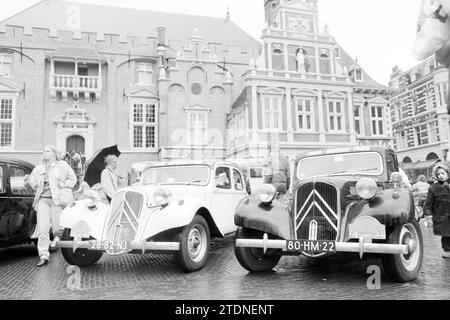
[438, 205]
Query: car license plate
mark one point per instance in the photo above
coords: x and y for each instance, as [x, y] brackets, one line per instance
[109, 245]
[310, 246]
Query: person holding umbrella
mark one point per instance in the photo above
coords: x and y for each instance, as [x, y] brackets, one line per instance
[110, 179]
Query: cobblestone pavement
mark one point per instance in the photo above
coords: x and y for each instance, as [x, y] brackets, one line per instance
[158, 277]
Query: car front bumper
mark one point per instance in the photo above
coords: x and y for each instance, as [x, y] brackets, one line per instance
[132, 246]
[360, 247]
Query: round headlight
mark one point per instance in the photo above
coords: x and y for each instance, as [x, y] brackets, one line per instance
[267, 193]
[90, 198]
[366, 188]
[162, 196]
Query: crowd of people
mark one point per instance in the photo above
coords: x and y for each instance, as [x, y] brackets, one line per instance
[432, 196]
[437, 203]
[76, 160]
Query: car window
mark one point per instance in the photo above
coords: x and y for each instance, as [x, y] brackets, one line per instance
[2, 175]
[391, 165]
[237, 178]
[223, 178]
[17, 183]
[256, 172]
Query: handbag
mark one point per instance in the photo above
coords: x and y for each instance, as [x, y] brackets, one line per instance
[66, 197]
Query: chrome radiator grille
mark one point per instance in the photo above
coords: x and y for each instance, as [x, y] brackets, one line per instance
[316, 212]
[123, 223]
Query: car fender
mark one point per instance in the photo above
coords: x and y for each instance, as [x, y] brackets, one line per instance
[78, 213]
[178, 214]
[390, 207]
[273, 219]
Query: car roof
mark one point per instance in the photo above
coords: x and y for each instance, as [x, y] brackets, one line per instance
[17, 162]
[247, 163]
[209, 163]
[353, 149]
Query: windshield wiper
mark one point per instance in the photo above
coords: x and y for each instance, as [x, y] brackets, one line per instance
[197, 181]
[352, 172]
[183, 183]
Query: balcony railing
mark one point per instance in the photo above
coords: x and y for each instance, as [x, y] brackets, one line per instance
[73, 82]
[193, 153]
[295, 75]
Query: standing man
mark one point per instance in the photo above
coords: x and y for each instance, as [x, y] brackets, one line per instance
[277, 171]
[83, 163]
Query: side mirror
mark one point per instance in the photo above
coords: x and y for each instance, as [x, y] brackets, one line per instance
[397, 179]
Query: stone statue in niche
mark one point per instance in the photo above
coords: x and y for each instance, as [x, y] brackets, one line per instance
[162, 74]
[276, 23]
[301, 61]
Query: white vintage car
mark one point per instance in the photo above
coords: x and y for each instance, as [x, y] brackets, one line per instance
[176, 208]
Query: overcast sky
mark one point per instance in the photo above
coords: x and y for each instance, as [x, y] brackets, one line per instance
[379, 33]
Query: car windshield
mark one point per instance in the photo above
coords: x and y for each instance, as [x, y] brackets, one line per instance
[176, 175]
[366, 163]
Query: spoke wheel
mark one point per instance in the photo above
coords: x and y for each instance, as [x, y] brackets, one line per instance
[81, 257]
[194, 245]
[197, 242]
[254, 259]
[405, 267]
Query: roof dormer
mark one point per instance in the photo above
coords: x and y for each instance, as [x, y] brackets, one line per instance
[355, 72]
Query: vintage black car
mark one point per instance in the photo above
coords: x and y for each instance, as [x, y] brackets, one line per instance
[17, 217]
[343, 200]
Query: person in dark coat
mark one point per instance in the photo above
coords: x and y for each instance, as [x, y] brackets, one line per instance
[277, 171]
[438, 205]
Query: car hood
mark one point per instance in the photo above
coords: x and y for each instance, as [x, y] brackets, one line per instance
[178, 191]
[339, 181]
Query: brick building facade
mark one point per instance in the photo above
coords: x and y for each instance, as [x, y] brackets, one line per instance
[89, 76]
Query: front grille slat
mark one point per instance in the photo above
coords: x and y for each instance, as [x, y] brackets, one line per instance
[325, 211]
[126, 210]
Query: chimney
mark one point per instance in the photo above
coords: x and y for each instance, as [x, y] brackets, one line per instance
[161, 36]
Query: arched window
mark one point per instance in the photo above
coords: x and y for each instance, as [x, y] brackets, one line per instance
[407, 160]
[432, 156]
[325, 63]
[75, 143]
[277, 56]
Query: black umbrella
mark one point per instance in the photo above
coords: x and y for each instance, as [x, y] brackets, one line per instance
[96, 164]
